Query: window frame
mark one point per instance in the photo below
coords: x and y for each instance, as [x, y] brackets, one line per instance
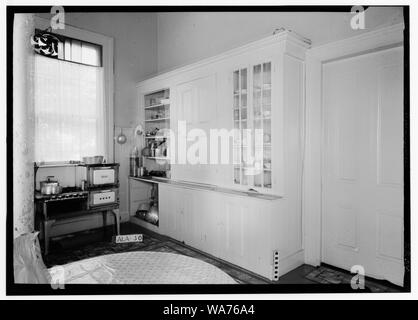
[63, 39]
[108, 71]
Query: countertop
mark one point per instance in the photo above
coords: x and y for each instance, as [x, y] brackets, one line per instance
[207, 187]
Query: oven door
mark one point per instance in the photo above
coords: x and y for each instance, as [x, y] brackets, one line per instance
[103, 197]
[102, 176]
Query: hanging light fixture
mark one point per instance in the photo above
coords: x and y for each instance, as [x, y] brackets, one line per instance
[45, 43]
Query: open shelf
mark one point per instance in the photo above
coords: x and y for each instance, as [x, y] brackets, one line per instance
[157, 120]
[57, 164]
[156, 137]
[155, 106]
[157, 158]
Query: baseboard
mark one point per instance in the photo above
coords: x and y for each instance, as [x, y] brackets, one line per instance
[144, 224]
[291, 262]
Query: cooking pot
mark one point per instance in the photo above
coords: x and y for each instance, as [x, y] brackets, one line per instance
[146, 152]
[50, 186]
[152, 215]
[93, 160]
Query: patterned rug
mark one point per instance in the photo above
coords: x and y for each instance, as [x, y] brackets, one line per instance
[140, 268]
[325, 275]
[64, 252]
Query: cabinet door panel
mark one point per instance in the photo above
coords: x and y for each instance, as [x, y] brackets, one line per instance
[196, 105]
[244, 235]
[170, 210]
[258, 252]
[235, 229]
[231, 230]
[176, 206]
[165, 209]
[186, 217]
[205, 221]
[252, 118]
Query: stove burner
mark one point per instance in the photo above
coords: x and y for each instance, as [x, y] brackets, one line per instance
[67, 194]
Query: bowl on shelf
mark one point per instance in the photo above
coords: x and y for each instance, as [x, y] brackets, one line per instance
[93, 160]
[146, 152]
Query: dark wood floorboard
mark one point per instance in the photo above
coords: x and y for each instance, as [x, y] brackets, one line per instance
[99, 242]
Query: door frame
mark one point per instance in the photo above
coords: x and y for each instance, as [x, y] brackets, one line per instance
[312, 195]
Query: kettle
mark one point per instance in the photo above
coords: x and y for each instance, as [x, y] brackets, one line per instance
[50, 186]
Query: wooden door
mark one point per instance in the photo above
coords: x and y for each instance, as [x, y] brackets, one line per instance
[363, 164]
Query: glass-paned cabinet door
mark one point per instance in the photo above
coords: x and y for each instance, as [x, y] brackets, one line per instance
[252, 110]
[262, 124]
[240, 145]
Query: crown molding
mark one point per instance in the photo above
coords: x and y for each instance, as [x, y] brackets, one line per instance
[378, 38]
[278, 36]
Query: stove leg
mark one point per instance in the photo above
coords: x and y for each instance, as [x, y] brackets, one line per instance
[104, 214]
[47, 231]
[117, 220]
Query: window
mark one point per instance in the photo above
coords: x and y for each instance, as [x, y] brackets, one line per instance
[69, 102]
[65, 48]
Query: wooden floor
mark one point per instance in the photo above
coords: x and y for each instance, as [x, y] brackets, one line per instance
[99, 242]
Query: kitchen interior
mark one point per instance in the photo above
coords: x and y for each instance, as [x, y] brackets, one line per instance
[159, 70]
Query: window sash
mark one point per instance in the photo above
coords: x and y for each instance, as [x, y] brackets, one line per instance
[69, 110]
[77, 51]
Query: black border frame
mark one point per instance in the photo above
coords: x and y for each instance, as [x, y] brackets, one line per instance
[40, 289]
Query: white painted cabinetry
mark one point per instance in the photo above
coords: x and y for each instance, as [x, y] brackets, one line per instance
[139, 192]
[241, 229]
[235, 229]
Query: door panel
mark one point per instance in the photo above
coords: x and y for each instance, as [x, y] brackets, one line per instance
[196, 105]
[363, 164]
[390, 139]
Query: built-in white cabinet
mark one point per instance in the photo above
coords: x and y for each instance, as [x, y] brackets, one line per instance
[157, 122]
[139, 193]
[259, 86]
[185, 215]
[252, 101]
[222, 225]
[195, 114]
[175, 212]
[244, 233]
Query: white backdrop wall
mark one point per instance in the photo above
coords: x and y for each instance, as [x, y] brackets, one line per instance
[185, 37]
[135, 59]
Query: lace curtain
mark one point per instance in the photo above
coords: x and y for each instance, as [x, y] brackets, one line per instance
[69, 112]
[23, 125]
